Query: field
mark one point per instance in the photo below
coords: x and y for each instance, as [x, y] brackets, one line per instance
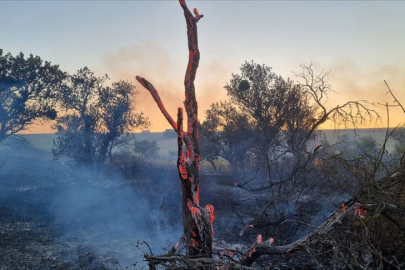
[378, 134]
[45, 141]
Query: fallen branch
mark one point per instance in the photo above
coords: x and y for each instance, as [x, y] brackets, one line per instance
[265, 248]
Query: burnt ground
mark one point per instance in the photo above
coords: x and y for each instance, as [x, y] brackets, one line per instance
[31, 245]
[233, 209]
[56, 217]
[33, 237]
[37, 239]
[34, 245]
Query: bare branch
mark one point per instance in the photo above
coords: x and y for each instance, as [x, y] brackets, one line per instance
[157, 99]
[352, 112]
[395, 99]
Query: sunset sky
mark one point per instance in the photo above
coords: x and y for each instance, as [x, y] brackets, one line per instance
[362, 43]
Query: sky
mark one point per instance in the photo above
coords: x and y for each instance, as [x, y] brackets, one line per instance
[361, 43]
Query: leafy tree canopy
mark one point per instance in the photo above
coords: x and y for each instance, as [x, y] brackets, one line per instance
[28, 87]
[263, 110]
[98, 118]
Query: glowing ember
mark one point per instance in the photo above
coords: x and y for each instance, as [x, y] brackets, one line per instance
[227, 253]
[251, 252]
[245, 228]
[318, 162]
[210, 209]
[183, 171]
[194, 210]
[360, 212]
[269, 242]
[259, 239]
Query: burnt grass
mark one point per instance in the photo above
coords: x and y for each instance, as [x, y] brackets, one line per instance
[32, 237]
[29, 235]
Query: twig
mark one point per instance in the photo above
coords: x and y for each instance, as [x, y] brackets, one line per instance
[395, 99]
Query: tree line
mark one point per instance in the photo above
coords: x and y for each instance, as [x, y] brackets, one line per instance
[92, 118]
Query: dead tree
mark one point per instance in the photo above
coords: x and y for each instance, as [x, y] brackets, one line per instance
[197, 221]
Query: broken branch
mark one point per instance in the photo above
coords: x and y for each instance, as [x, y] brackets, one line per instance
[145, 83]
[260, 248]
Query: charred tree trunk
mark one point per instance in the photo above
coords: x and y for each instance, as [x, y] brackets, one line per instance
[197, 221]
[105, 144]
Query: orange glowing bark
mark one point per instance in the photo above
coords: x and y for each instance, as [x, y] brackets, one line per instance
[197, 221]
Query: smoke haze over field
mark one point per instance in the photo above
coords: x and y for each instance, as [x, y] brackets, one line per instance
[88, 208]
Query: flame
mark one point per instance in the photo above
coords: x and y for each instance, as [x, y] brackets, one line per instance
[318, 162]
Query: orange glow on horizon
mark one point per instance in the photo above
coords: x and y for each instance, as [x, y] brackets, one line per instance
[160, 124]
[207, 96]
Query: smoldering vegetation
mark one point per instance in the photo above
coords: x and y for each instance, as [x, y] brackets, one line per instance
[58, 216]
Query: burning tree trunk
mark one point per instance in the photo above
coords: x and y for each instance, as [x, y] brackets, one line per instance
[197, 221]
